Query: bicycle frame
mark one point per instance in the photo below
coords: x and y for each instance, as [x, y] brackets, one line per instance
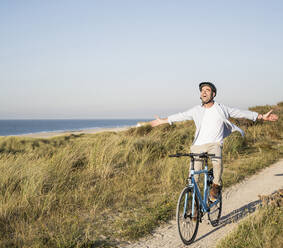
[193, 184]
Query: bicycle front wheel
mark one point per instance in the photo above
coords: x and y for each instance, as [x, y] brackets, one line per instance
[186, 221]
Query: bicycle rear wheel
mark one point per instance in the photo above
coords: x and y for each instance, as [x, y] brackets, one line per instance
[215, 211]
[187, 224]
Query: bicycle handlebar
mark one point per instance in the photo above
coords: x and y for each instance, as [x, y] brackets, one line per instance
[200, 155]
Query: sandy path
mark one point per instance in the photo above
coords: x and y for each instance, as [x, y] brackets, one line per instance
[238, 202]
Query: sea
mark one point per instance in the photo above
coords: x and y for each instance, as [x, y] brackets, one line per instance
[28, 126]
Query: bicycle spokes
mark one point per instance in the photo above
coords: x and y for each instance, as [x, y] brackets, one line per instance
[186, 220]
[215, 210]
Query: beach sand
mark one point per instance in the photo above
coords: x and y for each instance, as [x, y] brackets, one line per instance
[86, 131]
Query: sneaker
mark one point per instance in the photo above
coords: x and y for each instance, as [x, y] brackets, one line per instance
[213, 194]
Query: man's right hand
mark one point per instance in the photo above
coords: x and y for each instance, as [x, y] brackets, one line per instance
[158, 121]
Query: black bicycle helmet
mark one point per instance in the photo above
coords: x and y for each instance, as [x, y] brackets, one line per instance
[211, 85]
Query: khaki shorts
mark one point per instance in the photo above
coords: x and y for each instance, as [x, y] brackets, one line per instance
[212, 148]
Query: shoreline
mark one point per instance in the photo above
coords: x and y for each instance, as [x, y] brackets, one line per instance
[67, 133]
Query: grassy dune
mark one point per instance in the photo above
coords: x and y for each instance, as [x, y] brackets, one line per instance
[98, 190]
[261, 230]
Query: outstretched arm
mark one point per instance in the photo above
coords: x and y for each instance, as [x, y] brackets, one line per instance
[187, 115]
[268, 116]
[158, 121]
[237, 113]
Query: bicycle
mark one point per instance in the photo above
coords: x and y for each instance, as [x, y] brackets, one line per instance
[191, 205]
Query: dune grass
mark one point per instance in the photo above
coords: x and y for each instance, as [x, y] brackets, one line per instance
[98, 190]
[263, 229]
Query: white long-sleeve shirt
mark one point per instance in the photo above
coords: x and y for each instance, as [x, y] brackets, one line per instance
[197, 114]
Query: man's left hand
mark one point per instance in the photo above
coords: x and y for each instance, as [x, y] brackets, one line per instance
[268, 116]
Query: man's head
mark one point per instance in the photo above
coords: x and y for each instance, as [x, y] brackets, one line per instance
[207, 92]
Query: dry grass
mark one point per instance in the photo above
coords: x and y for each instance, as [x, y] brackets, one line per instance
[98, 190]
[262, 229]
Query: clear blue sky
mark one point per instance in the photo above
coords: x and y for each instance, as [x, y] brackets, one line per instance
[136, 58]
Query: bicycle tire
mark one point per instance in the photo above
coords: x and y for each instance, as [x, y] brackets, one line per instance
[215, 212]
[187, 226]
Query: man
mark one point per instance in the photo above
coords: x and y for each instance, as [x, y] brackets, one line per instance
[212, 126]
